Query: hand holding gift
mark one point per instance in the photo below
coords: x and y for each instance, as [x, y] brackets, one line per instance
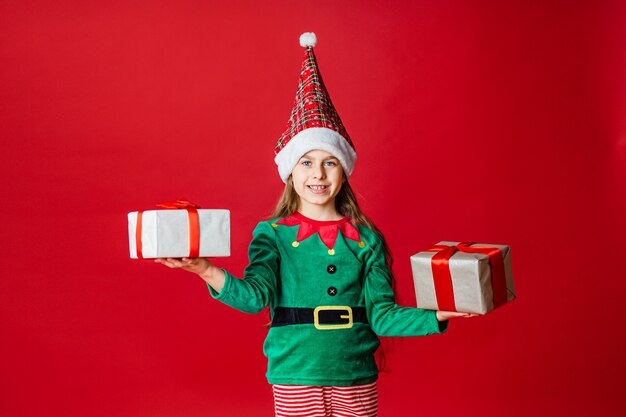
[180, 235]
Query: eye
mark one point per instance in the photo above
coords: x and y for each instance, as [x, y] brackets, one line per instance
[330, 163]
[306, 163]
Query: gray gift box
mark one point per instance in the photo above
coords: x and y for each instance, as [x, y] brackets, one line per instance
[471, 279]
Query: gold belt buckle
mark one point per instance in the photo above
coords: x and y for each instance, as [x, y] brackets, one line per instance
[349, 317]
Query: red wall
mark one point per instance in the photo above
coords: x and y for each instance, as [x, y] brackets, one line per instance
[498, 122]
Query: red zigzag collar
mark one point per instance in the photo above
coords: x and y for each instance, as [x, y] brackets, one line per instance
[327, 230]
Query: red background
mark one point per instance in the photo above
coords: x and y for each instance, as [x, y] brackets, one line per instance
[498, 122]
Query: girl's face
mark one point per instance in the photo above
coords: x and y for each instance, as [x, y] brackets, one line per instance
[317, 179]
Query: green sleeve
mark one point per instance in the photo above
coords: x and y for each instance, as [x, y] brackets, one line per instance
[385, 316]
[254, 292]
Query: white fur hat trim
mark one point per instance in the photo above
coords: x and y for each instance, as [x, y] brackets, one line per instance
[310, 139]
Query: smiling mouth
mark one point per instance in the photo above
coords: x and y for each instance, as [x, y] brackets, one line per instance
[317, 187]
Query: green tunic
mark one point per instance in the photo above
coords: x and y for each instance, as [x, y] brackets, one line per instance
[282, 273]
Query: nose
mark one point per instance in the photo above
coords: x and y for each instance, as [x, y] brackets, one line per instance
[319, 172]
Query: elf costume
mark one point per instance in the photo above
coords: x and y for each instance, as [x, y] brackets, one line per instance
[326, 282]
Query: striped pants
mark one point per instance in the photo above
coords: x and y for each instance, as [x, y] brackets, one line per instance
[314, 401]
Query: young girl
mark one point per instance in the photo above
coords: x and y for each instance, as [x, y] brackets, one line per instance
[322, 267]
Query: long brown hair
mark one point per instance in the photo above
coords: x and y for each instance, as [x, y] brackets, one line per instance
[346, 205]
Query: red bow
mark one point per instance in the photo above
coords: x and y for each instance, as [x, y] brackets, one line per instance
[194, 225]
[178, 204]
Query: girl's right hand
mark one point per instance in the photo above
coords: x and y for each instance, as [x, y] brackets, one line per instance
[213, 275]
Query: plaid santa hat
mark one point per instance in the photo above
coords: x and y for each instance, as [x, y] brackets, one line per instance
[314, 122]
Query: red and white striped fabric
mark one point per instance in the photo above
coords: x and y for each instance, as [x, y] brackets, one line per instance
[316, 401]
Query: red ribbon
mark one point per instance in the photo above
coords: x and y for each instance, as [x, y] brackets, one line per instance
[194, 225]
[138, 235]
[440, 265]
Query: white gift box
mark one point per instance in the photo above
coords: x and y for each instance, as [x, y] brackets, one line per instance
[471, 279]
[165, 233]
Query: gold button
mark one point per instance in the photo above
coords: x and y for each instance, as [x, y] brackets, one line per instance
[361, 244]
[331, 251]
[274, 225]
[295, 244]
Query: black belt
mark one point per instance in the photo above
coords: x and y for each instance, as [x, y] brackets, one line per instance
[323, 317]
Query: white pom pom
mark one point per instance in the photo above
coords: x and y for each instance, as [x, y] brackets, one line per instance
[308, 39]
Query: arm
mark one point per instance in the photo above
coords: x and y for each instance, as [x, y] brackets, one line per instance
[252, 293]
[389, 319]
[385, 316]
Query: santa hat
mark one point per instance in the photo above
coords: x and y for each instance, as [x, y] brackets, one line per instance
[314, 122]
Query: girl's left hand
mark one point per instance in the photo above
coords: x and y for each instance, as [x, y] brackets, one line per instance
[447, 315]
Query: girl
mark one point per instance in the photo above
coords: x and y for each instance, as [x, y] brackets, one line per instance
[322, 267]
